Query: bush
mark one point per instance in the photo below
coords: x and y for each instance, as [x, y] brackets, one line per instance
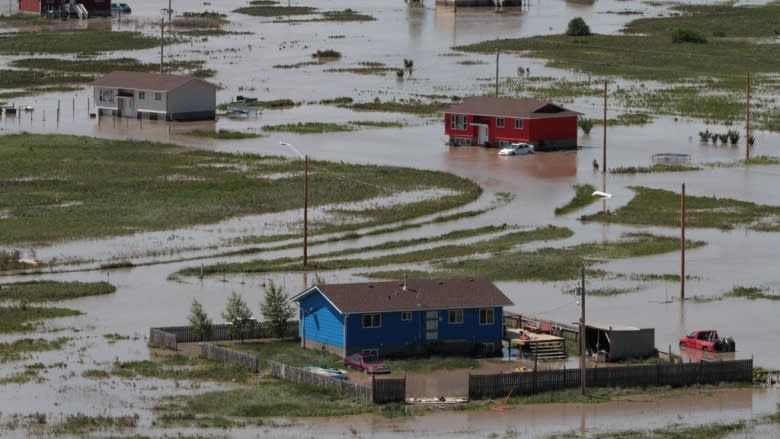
[578, 28]
[680, 36]
[327, 54]
[586, 125]
[704, 136]
[733, 136]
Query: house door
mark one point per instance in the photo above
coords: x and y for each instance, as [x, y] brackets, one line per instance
[126, 107]
[482, 134]
[432, 325]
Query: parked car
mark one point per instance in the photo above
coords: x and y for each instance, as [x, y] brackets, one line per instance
[367, 363]
[517, 149]
[124, 8]
[707, 340]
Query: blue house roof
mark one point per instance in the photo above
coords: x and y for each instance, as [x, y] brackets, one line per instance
[411, 295]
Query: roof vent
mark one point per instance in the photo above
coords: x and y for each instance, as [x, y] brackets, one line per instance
[371, 285]
[405, 287]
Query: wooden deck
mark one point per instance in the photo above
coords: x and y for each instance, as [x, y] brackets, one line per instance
[539, 345]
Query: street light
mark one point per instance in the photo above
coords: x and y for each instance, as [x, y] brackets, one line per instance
[305, 201]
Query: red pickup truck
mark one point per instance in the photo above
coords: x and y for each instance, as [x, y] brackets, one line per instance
[707, 340]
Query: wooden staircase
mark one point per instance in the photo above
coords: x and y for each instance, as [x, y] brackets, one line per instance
[548, 349]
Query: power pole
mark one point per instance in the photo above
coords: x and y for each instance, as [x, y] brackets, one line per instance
[604, 145]
[162, 42]
[682, 243]
[305, 211]
[582, 329]
[170, 11]
[497, 53]
[747, 121]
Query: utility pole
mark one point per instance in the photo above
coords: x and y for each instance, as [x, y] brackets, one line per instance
[582, 329]
[604, 144]
[305, 210]
[682, 243]
[747, 121]
[170, 11]
[162, 42]
[497, 53]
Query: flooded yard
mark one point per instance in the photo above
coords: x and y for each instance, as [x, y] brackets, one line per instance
[244, 65]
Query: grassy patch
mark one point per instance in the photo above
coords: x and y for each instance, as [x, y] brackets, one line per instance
[707, 431]
[48, 291]
[15, 351]
[345, 15]
[114, 337]
[30, 373]
[96, 374]
[75, 41]
[223, 134]
[257, 9]
[432, 364]
[102, 65]
[179, 367]
[54, 187]
[583, 196]
[275, 104]
[288, 352]
[377, 123]
[308, 128]
[19, 318]
[707, 79]
[365, 68]
[658, 207]
[413, 106]
[80, 424]
[42, 79]
[657, 167]
[751, 293]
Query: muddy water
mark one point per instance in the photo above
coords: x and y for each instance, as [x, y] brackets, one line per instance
[539, 183]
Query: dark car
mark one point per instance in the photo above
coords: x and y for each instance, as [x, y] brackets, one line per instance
[123, 8]
[367, 363]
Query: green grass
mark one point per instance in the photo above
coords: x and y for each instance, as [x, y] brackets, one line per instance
[657, 167]
[273, 104]
[267, 10]
[288, 352]
[413, 106]
[704, 81]
[583, 196]
[96, 374]
[49, 291]
[102, 65]
[161, 187]
[432, 364]
[16, 350]
[658, 207]
[79, 424]
[179, 367]
[377, 123]
[75, 41]
[365, 68]
[308, 128]
[751, 293]
[223, 134]
[39, 79]
[20, 318]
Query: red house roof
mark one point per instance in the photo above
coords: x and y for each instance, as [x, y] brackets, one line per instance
[509, 107]
[415, 295]
[145, 81]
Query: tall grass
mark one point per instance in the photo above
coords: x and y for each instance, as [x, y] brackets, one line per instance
[75, 41]
[46, 291]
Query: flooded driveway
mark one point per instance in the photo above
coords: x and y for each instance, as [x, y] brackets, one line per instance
[145, 296]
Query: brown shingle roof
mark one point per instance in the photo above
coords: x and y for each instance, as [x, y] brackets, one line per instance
[419, 295]
[145, 81]
[508, 107]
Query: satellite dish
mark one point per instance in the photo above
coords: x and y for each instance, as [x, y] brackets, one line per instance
[602, 194]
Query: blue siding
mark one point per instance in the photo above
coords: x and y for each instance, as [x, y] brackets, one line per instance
[470, 329]
[321, 321]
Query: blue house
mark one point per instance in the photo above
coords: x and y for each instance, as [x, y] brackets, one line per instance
[403, 318]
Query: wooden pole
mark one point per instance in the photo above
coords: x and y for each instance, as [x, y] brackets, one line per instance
[497, 53]
[682, 243]
[162, 42]
[747, 120]
[305, 211]
[582, 329]
[604, 145]
[170, 11]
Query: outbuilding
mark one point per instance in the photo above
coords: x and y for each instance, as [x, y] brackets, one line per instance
[66, 8]
[409, 317]
[155, 96]
[617, 342]
[499, 122]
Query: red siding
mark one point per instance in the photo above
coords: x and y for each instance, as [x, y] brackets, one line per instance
[533, 131]
[553, 128]
[30, 6]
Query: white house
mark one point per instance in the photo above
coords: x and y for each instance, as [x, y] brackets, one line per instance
[155, 96]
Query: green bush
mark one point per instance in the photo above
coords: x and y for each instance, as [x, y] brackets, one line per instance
[680, 36]
[577, 28]
[586, 125]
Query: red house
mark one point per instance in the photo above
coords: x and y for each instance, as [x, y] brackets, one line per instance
[498, 122]
[65, 8]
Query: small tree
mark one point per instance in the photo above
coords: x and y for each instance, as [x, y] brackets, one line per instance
[680, 36]
[577, 28]
[237, 313]
[200, 322]
[276, 310]
[586, 125]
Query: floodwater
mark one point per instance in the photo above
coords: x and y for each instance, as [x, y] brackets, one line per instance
[539, 183]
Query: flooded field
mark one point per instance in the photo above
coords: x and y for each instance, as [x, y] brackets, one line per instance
[244, 65]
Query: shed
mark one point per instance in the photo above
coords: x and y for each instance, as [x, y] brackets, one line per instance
[155, 96]
[620, 342]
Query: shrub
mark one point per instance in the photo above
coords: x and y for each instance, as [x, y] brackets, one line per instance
[577, 28]
[733, 136]
[329, 53]
[751, 140]
[680, 36]
[399, 73]
[704, 136]
[586, 125]
[724, 137]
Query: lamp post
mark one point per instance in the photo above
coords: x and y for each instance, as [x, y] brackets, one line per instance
[582, 329]
[305, 202]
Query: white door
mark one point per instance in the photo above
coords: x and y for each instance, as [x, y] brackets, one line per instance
[482, 134]
[126, 107]
[432, 325]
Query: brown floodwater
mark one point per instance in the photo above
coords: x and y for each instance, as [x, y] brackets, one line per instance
[244, 63]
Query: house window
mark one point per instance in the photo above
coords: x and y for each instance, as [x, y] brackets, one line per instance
[455, 316]
[406, 316]
[518, 124]
[500, 122]
[372, 320]
[459, 121]
[158, 96]
[486, 316]
[142, 95]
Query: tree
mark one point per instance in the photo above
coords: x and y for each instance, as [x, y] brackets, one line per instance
[200, 322]
[276, 309]
[237, 313]
[577, 28]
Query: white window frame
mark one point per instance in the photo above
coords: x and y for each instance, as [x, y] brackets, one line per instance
[459, 121]
[484, 312]
[406, 316]
[455, 316]
[374, 320]
[519, 123]
[499, 122]
[158, 96]
[141, 95]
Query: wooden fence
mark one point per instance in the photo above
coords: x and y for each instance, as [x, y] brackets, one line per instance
[214, 352]
[382, 390]
[221, 332]
[680, 374]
